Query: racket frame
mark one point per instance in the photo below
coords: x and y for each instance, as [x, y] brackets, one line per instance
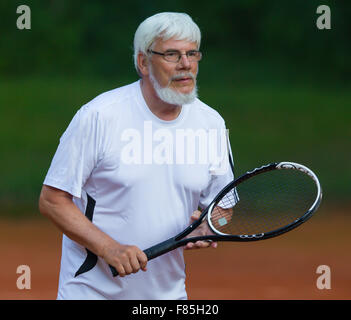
[260, 236]
[180, 239]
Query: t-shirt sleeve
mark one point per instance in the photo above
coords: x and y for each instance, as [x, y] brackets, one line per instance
[220, 169]
[77, 153]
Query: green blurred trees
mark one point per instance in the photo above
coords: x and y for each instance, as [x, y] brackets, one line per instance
[82, 37]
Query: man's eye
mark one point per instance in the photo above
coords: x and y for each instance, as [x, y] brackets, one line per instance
[192, 53]
[171, 54]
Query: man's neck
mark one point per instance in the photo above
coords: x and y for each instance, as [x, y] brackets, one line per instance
[159, 108]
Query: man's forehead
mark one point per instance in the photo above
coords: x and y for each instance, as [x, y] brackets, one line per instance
[174, 44]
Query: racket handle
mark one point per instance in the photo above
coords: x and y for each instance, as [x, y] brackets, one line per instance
[161, 248]
[154, 251]
[114, 271]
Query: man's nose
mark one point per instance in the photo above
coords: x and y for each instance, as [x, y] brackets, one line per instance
[184, 62]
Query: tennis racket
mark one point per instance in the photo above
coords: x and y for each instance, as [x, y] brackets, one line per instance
[263, 203]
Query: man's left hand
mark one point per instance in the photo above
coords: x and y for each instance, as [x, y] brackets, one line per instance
[202, 230]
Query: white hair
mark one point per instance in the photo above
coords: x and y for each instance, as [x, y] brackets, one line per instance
[165, 25]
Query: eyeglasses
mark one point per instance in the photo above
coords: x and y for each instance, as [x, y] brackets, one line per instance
[174, 56]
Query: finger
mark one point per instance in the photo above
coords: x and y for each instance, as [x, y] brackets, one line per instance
[197, 245]
[189, 245]
[138, 261]
[128, 268]
[120, 270]
[134, 263]
[142, 258]
[202, 244]
[214, 245]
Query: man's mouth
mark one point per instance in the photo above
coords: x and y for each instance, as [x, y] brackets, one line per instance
[183, 79]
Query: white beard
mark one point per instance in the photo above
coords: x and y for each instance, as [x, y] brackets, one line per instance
[171, 96]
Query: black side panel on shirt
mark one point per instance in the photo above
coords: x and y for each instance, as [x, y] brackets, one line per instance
[91, 258]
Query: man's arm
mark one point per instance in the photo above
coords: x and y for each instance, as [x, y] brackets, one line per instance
[58, 206]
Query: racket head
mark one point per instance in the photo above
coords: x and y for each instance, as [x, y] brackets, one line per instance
[264, 203]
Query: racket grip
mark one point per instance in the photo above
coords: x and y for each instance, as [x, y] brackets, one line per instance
[155, 251]
[161, 248]
[114, 271]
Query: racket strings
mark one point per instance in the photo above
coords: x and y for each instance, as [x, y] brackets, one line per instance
[264, 203]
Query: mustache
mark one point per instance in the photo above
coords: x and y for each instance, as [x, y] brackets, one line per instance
[183, 75]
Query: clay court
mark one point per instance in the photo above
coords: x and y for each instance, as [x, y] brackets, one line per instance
[280, 268]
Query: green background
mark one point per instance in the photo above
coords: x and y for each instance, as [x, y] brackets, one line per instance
[281, 84]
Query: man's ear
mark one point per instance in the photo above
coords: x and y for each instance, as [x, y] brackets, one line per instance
[143, 64]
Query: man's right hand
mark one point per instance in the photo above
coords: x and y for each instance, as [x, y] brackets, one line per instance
[126, 259]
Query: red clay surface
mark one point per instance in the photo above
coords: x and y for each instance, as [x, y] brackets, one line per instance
[280, 268]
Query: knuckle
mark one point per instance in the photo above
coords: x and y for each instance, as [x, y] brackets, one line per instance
[130, 250]
[135, 270]
[124, 256]
[121, 272]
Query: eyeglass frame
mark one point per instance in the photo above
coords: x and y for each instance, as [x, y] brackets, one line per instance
[179, 54]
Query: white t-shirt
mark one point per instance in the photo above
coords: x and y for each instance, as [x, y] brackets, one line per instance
[128, 172]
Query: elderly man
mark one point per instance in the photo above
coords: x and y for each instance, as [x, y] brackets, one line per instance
[115, 185]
